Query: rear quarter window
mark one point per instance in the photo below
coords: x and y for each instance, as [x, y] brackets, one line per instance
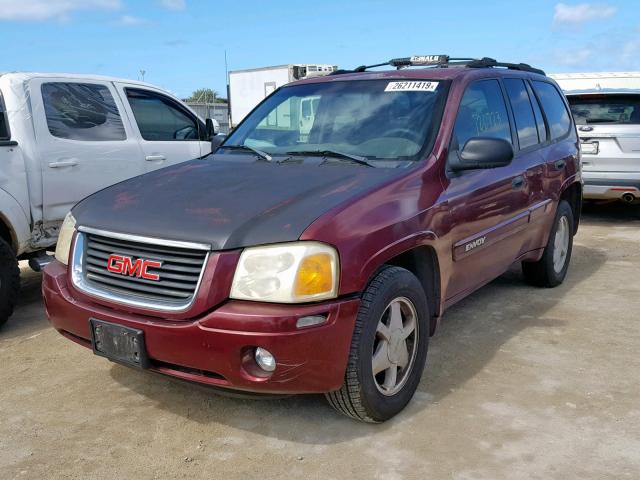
[554, 108]
[81, 111]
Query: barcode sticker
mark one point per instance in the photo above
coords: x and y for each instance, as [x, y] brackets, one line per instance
[411, 86]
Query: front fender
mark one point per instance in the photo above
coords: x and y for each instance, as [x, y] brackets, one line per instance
[419, 239]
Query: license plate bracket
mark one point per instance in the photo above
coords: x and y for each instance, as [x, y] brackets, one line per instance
[118, 343]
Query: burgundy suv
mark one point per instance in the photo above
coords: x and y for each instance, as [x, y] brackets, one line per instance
[317, 248]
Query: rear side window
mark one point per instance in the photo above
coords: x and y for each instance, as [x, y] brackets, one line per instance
[4, 125]
[482, 113]
[554, 108]
[605, 109]
[160, 119]
[522, 111]
[81, 111]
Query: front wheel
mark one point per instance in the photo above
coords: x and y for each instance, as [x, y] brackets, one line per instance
[388, 348]
[9, 281]
[551, 269]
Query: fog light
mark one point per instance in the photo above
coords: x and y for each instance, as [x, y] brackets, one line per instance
[265, 359]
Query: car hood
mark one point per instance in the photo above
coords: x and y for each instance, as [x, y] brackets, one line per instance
[227, 203]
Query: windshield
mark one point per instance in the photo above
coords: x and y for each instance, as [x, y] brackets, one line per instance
[373, 119]
[616, 109]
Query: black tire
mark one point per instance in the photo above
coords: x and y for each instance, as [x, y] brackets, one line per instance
[360, 397]
[9, 281]
[543, 273]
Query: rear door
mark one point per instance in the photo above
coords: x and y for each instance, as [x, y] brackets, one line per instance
[84, 141]
[488, 208]
[609, 128]
[531, 136]
[169, 132]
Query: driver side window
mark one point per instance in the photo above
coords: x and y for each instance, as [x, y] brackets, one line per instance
[482, 113]
[160, 119]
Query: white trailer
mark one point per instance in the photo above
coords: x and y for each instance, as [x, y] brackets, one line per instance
[249, 87]
[597, 81]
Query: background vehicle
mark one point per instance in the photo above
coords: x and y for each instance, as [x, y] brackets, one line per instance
[606, 108]
[64, 137]
[249, 87]
[319, 261]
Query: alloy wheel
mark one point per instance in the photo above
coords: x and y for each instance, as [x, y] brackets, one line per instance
[395, 346]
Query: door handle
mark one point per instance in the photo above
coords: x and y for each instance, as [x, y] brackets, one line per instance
[63, 163]
[517, 183]
[560, 164]
[155, 158]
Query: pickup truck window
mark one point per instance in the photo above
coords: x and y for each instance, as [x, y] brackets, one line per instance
[554, 108]
[376, 119]
[4, 123]
[522, 112]
[81, 111]
[160, 119]
[482, 113]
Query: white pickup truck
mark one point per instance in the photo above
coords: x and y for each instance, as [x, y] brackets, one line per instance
[64, 137]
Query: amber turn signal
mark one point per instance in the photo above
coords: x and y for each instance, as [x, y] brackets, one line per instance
[315, 275]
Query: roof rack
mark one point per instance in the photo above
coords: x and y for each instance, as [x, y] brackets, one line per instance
[444, 61]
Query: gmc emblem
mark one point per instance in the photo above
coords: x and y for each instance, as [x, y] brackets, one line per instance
[133, 268]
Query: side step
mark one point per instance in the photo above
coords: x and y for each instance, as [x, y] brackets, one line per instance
[39, 262]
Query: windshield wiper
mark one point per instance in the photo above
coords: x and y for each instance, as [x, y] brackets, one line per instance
[332, 153]
[247, 148]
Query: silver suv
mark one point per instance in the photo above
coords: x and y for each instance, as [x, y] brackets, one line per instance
[606, 108]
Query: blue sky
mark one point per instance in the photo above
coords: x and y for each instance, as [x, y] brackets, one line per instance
[181, 43]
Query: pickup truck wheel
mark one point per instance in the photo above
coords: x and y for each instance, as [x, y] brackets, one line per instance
[388, 348]
[9, 281]
[551, 269]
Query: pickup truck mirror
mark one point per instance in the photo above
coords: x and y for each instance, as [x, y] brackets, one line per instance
[211, 128]
[481, 153]
[216, 141]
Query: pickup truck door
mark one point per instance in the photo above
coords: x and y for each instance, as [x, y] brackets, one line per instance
[168, 131]
[488, 209]
[84, 141]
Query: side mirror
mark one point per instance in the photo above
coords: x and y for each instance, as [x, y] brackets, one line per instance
[212, 128]
[481, 153]
[216, 141]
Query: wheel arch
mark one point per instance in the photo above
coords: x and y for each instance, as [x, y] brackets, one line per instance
[572, 194]
[7, 234]
[422, 261]
[14, 224]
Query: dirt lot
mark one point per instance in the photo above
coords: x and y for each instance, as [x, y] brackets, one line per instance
[520, 383]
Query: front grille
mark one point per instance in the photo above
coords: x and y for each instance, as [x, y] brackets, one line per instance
[179, 273]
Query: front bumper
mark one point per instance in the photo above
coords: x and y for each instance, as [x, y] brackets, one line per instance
[216, 348]
[610, 185]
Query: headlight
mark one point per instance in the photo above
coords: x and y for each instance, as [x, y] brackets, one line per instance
[64, 238]
[287, 273]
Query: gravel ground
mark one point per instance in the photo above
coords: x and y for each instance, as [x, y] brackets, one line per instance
[520, 383]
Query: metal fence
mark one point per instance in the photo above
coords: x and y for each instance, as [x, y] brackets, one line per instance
[216, 111]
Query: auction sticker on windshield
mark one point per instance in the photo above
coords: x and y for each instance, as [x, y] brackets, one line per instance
[411, 87]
